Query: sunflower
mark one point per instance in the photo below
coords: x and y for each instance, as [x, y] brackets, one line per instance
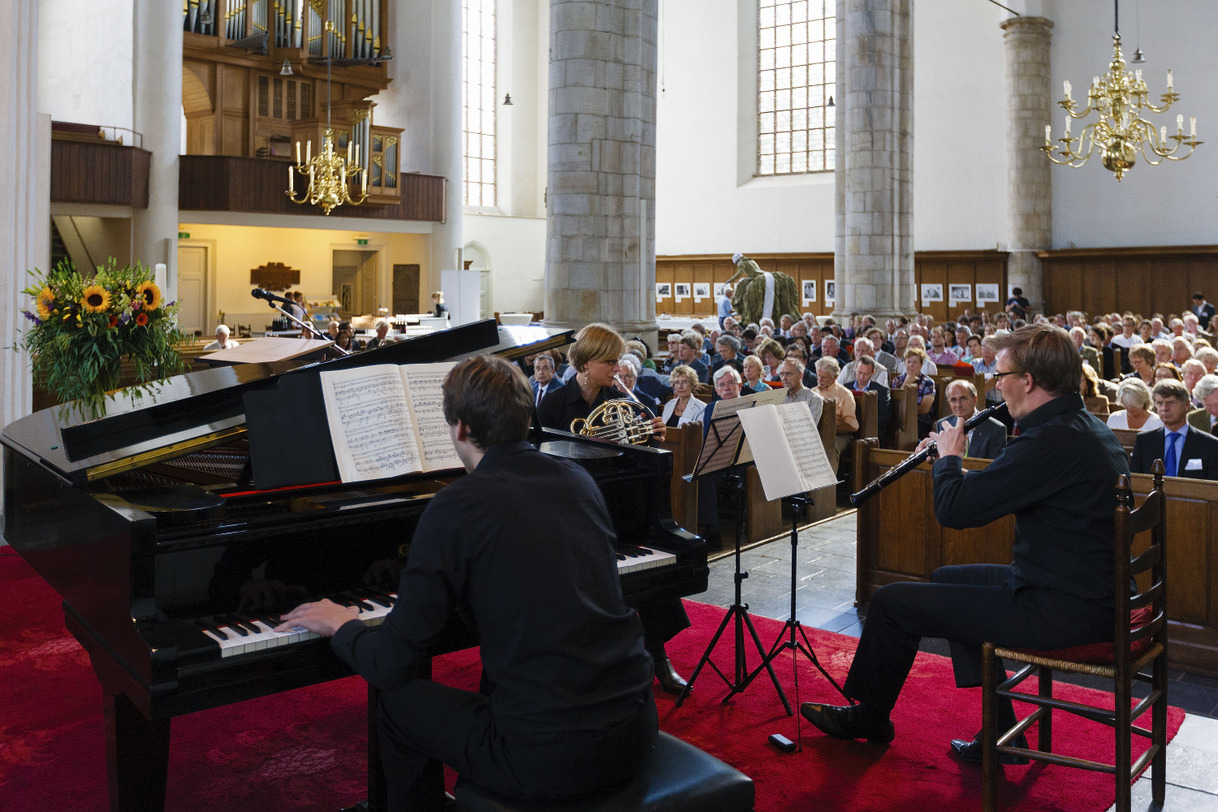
[95, 299]
[149, 294]
[141, 318]
[46, 301]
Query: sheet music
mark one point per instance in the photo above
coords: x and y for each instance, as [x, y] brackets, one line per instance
[794, 458]
[423, 383]
[370, 422]
[724, 408]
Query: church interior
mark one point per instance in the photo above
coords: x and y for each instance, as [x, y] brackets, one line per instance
[562, 162]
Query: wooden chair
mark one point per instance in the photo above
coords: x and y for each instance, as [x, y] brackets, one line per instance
[1140, 642]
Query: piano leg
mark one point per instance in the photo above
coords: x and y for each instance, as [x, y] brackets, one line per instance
[378, 794]
[137, 756]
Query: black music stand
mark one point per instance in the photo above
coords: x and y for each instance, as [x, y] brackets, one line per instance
[721, 452]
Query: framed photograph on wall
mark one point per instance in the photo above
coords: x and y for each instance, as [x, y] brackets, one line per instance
[809, 291]
[960, 293]
[701, 291]
[986, 292]
[719, 286]
[663, 290]
[830, 291]
[682, 290]
[932, 293]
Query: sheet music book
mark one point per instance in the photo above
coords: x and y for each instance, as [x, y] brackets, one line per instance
[387, 420]
[794, 458]
[266, 350]
[719, 451]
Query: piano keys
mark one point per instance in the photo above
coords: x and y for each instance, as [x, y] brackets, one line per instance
[174, 561]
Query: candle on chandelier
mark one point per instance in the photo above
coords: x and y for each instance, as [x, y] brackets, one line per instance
[1066, 88]
[297, 153]
[1067, 125]
[1169, 79]
[1163, 135]
[1137, 74]
[291, 184]
[309, 152]
[1179, 124]
[1048, 133]
[1192, 126]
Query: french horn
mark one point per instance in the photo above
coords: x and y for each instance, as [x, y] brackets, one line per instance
[616, 421]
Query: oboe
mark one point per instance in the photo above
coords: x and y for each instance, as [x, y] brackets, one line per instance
[914, 460]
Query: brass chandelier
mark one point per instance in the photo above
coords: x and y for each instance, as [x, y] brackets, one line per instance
[329, 173]
[1119, 132]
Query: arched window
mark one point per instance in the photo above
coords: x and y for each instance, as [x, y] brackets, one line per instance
[478, 102]
[796, 75]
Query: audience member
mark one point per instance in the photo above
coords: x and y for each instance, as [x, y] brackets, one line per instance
[829, 389]
[689, 350]
[1134, 397]
[628, 374]
[985, 440]
[864, 381]
[1205, 418]
[684, 407]
[1185, 451]
[1142, 361]
[913, 378]
[792, 373]
[382, 330]
[223, 341]
[862, 346]
[1191, 372]
[754, 375]
[544, 381]
[1164, 371]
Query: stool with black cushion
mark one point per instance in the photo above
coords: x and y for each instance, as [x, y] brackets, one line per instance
[678, 777]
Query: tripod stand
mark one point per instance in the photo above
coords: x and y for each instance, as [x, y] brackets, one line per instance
[739, 613]
[797, 503]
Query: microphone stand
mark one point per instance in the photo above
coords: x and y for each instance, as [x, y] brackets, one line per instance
[308, 328]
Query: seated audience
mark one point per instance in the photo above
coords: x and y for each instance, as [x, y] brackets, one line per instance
[544, 380]
[1208, 356]
[628, 374]
[727, 347]
[689, 351]
[987, 439]
[1096, 401]
[754, 375]
[913, 378]
[843, 402]
[1185, 451]
[1142, 361]
[1206, 391]
[222, 342]
[1134, 397]
[1181, 350]
[771, 354]
[928, 366]
[792, 373]
[1191, 372]
[862, 346]
[382, 330]
[1166, 371]
[864, 381]
[684, 407]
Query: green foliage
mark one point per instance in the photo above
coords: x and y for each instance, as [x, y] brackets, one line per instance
[83, 328]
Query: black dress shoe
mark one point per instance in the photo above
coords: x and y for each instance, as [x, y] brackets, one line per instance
[970, 751]
[670, 681]
[845, 722]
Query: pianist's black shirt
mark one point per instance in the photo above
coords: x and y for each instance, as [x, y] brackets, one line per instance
[523, 548]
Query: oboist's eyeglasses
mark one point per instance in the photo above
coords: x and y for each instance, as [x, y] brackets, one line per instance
[999, 375]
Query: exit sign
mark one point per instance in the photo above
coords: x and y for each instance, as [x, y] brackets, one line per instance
[361, 242]
[183, 235]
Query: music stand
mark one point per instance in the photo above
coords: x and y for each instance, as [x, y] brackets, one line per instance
[789, 477]
[721, 451]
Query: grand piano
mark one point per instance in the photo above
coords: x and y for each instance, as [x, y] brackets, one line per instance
[179, 525]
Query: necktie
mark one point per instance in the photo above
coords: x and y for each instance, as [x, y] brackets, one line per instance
[1169, 457]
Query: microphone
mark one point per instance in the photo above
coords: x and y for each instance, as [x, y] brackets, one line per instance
[259, 293]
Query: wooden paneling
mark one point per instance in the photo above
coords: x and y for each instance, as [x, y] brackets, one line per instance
[223, 183]
[899, 540]
[1140, 280]
[947, 268]
[101, 172]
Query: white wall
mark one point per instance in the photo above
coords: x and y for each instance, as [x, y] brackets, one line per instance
[1169, 204]
[84, 61]
[515, 248]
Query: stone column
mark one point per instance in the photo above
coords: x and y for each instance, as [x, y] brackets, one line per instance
[1029, 182]
[156, 89]
[875, 271]
[600, 234]
[447, 150]
[25, 219]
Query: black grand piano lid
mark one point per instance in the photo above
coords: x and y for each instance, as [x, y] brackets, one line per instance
[191, 411]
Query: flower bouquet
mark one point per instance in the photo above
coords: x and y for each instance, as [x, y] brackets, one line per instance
[83, 328]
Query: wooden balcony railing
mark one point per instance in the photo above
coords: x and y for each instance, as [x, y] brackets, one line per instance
[226, 183]
[99, 171]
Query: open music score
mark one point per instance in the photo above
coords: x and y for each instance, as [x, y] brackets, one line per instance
[794, 460]
[387, 420]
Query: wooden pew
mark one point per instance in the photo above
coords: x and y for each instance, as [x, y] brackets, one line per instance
[1127, 438]
[904, 419]
[684, 442]
[898, 539]
[867, 411]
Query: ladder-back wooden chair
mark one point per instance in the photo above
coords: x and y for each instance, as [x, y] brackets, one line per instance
[1140, 644]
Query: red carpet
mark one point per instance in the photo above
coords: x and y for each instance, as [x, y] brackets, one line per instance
[304, 750]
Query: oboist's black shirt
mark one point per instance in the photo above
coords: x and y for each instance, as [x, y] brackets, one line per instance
[522, 547]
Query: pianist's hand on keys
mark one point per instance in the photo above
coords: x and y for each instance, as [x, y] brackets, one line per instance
[323, 617]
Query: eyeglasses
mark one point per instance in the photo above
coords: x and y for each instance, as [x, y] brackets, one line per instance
[999, 375]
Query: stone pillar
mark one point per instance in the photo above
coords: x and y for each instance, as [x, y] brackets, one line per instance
[156, 89]
[875, 271]
[25, 219]
[600, 233]
[1029, 182]
[447, 150]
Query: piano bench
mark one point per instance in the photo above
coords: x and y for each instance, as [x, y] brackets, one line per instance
[678, 777]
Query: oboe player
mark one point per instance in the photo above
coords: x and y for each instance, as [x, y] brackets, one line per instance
[1057, 477]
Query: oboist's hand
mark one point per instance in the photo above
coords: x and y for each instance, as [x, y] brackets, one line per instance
[950, 442]
[323, 617]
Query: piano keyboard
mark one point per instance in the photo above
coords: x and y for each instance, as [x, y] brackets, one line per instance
[633, 559]
[238, 635]
[244, 635]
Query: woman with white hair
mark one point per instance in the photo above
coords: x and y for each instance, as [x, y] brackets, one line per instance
[1134, 395]
[628, 372]
[222, 342]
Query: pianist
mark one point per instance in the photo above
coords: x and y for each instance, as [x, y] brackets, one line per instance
[566, 707]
